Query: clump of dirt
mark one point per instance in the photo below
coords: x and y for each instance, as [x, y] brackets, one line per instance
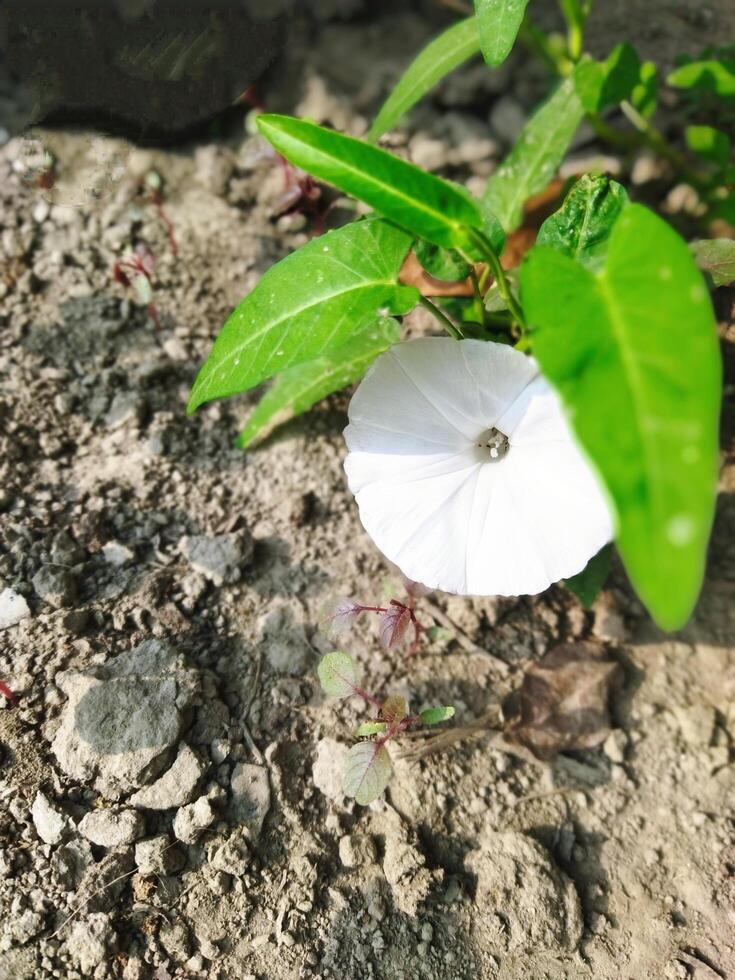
[170, 778]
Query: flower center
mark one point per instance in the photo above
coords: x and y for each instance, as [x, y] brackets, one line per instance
[495, 443]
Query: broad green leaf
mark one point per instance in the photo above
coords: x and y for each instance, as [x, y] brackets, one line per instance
[427, 206]
[583, 224]
[716, 256]
[371, 728]
[338, 673]
[709, 143]
[309, 303]
[633, 352]
[367, 772]
[433, 716]
[442, 263]
[536, 156]
[600, 84]
[440, 57]
[303, 385]
[586, 584]
[644, 96]
[498, 22]
[713, 75]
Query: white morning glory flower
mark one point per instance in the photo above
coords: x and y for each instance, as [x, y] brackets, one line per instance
[466, 472]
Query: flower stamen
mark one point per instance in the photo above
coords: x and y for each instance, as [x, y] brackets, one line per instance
[496, 442]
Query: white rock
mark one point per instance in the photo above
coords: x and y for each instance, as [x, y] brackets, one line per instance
[112, 828]
[50, 824]
[327, 769]
[191, 820]
[89, 940]
[176, 786]
[13, 608]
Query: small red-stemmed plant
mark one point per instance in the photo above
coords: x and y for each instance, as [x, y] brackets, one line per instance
[368, 768]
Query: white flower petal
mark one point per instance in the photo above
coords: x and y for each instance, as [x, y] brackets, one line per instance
[430, 496]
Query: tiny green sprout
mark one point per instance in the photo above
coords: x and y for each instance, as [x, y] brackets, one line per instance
[368, 768]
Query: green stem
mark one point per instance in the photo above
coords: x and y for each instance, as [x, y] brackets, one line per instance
[481, 242]
[658, 142]
[575, 16]
[451, 328]
[479, 305]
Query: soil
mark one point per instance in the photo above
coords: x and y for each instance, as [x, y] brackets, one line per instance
[614, 862]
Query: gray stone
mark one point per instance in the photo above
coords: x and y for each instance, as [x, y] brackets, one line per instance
[326, 771]
[123, 718]
[530, 903]
[56, 586]
[13, 608]
[20, 927]
[697, 723]
[233, 856]
[507, 118]
[220, 558]
[158, 855]
[357, 850]
[70, 862]
[176, 940]
[190, 821]
[251, 797]
[176, 786]
[89, 941]
[105, 880]
[112, 828]
[284, 639]
[49, 822]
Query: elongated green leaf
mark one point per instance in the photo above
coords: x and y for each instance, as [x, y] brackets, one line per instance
[338, 674]
[709, 143]
[307, 304]
[371, 728]
[440, 57]
[367, 772]
[633, 352]
[433, 716]
[427, 206]
[586, 584]
[716, 256]
[498, 22]
[303, 385]
[536, 156]
[600, 84]
[583, 224]
[714, 75]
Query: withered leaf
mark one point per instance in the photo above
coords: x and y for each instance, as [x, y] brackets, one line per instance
[562, 703]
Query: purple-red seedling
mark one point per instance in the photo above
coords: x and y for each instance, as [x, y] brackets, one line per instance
[9, 695]
[367, 766]
[135, 271]
[395, 620]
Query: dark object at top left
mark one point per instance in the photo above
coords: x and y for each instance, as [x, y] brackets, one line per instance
[144, 69]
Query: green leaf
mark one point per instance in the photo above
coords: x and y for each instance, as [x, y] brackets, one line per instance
[586, 585]
[498, 22]
[309, 303]
[433, 716]
[427, 206]
[338, 673]
[583, 224]
[633, 352]
[440, 57]
[716, 256]
[644, 96]
[442, 263]
[367, 772]
[600, 84]
[714, 75]
[296, 390]
[536, 156]
[709, 143]
[371, 728]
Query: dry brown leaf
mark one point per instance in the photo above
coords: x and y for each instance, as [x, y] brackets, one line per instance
[563, 701]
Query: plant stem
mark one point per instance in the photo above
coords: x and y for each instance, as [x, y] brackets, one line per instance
[500, 277]
[479, 305]
[450, 327]
[658, 142]
[575, 15]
